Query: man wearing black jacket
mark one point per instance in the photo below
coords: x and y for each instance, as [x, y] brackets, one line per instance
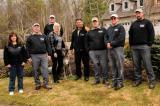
[94, 42]
[38, 49]
[141, 38]
[114, 40]
[49, 27]
[78, 44]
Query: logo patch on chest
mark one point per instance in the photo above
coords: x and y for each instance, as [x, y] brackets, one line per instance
[42, 39]
[116, 30]
[100, 31]
[142, 25]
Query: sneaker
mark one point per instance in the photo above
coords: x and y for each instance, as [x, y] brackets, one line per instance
[20, 91]
[151, 85]
[11, 93]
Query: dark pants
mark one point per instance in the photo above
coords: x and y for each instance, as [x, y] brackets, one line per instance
[142, 54]
[84, 57]
[116, 56]
[57, 65]
[15, 71]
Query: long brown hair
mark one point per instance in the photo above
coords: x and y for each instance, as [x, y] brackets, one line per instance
[11, 35]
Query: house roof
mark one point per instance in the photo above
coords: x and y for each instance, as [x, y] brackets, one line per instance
[155, 9]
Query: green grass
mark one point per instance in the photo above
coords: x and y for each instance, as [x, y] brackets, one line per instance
[80, 93]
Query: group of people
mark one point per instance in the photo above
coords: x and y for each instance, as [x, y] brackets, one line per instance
[100, 45]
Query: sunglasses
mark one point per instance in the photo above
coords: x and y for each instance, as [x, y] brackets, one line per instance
[113, 18]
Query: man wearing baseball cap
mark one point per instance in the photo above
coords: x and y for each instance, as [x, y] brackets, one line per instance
[94, 43]
[141, 38]
[49, 27]
[115, 40]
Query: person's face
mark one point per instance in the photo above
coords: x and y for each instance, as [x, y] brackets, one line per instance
[56, 29]
[79, 24]
[14, 38]
[52, 20]
[95, 23]
[114, 20]
[139, 15]
[36, 29]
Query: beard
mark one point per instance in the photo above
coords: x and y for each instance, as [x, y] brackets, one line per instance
[139, 18]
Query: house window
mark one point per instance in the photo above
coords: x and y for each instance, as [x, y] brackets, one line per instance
[112, 7]
[141, 3]
[125, 5]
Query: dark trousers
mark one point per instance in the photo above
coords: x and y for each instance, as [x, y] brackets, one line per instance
[57, 65]
[142, 54]
[84, 57]
[116, 56]
[15, 71]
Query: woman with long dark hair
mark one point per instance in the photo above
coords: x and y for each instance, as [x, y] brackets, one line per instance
[15, 56]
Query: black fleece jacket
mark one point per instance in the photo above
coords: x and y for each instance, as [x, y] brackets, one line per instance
[141, 32]
[78, 41]
[14, 54]
[95, 39]
[38, 44]
[115, 35]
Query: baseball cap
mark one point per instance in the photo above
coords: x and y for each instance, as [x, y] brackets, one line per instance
[51, 16]
[36, 24]
[114, 15]
[139, 10]
[94, 19]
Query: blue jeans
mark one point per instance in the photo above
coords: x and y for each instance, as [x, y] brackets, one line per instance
[40, 60]
[141, 54]
[100, 61]
[117, 63]
[15, 71]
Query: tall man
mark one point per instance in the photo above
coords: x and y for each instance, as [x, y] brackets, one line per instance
[141, 38]
[97, 51]
[49, 27]
[38, 48]
[78, 44]
[115, 40]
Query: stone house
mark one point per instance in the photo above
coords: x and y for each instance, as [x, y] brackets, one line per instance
[125, 9]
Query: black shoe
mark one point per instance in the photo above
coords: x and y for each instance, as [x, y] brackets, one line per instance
[77, 78]
[114, 85]
[86, 78]
[136, 83]
[37, 87]
[152, 85]
[119, 86]
[56, 81]
[106, 82]
[96, 83]
[47, 87]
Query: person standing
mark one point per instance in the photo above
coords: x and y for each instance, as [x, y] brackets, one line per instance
[49, 27]
[94, 43]
[80, 53]
[115, 40]
[58, 47]
[141, 38]
[15, 57]
[39, 50]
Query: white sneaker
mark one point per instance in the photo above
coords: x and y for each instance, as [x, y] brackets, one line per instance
[11, 93]
[21, 91]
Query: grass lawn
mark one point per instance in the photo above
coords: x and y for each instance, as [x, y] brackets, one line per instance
[80, 93]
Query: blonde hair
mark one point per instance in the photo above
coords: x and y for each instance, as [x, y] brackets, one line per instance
[57, 25]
